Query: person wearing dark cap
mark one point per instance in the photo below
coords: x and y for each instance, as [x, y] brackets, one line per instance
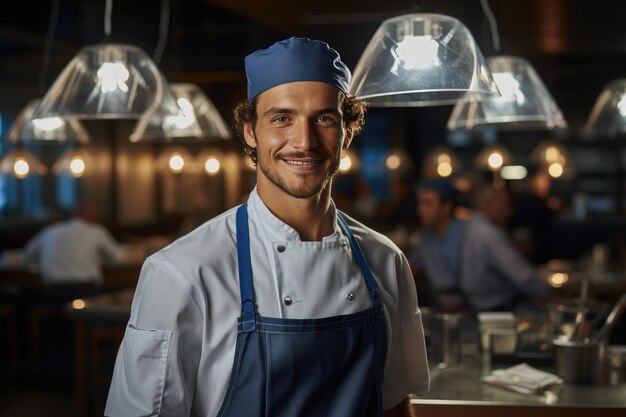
[283, 306]
[470, 264]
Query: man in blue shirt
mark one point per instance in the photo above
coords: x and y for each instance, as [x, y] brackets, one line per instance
[470, 264]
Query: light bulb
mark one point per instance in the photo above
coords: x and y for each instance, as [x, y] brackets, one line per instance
[444, 169]
[552, 154]
[509, 87]
[495, 161]
[444, 158]
[112, 76]
[21, 168]
[393, 162]
[176, 163]
[555, 170]
[415, 52]
[212, 166]
[77, 166]
[78, 304]
[621, 105]
[48, 124]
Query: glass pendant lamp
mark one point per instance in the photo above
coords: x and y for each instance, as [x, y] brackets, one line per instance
[194, 118]
[421, 59]
[107, 81]
[608, 115]
[46, 130]
[525, 102]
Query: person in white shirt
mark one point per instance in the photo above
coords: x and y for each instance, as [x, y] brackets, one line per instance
[73, 251]
[282, 306]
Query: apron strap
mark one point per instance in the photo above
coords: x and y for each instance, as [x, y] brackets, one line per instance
[245, 270]
[361, 261]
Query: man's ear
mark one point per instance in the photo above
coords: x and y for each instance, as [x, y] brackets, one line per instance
[248, 134]
[348, 139]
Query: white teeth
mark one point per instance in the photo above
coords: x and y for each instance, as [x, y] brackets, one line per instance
[300, 162]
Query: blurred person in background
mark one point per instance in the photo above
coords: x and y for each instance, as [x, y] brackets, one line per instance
[470, 264]
[70, 253]
[494, 204]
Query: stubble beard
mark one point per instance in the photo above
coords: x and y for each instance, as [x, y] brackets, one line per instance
[301, 190]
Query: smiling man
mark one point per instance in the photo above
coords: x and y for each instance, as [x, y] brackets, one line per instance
[283, 306]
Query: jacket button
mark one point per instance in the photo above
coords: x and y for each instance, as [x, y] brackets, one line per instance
[350, 296]
[288, 301]
[280, 248]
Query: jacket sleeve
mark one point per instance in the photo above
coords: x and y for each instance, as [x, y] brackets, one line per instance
[156, 367]
[407, 366]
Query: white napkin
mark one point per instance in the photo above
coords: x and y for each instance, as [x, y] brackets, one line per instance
[522, 378]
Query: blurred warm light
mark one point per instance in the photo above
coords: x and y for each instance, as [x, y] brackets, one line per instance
[20, 163]
[493, 158]
[444, 169]
[77, 166]
[78, 304]
[393, 162]
[345, 164]
[444, 158]
[514, 172]
[440, 162]
[212, 166]
[21, 168]
[555, 170]
[176, 163]
[558, 279]
[349, 163]
[495, 161]
[552, 154]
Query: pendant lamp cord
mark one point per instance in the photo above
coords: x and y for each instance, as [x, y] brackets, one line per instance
[47, 51]
[108, 10]
[493, 25]
[164, 24]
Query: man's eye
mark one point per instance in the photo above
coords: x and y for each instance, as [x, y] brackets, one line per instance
[325, 119]
[280, 119]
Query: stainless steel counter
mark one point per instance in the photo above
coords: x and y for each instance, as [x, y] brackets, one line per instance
[460, 386]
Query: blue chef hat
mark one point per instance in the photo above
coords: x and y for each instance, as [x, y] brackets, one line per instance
[443, 187]
[295, 59]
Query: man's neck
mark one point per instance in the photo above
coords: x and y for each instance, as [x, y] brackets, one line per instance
[311, 217]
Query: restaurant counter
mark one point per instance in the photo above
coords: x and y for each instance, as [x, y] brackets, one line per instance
[458, 391]
[455, 391]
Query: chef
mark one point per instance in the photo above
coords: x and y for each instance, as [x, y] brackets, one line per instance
[282, 306]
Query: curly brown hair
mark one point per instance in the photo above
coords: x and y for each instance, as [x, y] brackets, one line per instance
[353, 110]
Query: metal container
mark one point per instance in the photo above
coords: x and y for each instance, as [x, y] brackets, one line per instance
[577, 362]
[442, 337]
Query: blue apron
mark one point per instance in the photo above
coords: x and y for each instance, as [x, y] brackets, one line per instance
[323, 367]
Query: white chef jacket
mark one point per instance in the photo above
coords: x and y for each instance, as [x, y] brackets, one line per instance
[72, 251]
[178, 350]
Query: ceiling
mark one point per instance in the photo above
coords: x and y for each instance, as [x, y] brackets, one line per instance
[577, 46]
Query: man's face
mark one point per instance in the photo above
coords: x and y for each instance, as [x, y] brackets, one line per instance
[299, 137]
[431, 208]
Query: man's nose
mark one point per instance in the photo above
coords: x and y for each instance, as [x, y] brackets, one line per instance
[305, 136]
